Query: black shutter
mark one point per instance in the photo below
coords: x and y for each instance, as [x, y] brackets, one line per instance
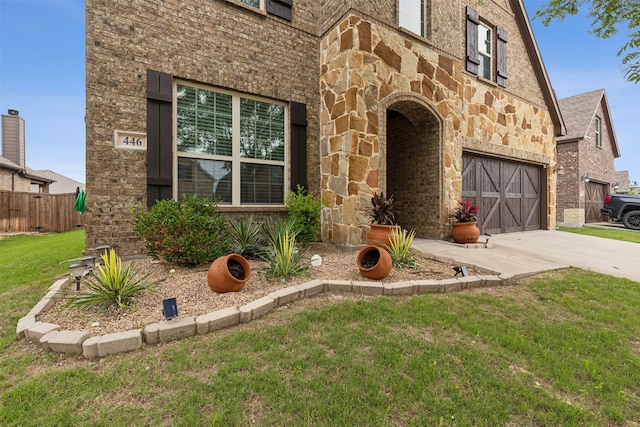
[280, 8]
[159, 137]
[298, 139]
[501, 56]
[472, 40]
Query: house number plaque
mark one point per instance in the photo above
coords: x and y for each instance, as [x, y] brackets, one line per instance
[130, 140]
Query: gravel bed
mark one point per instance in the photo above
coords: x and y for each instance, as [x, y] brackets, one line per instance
[194, 297]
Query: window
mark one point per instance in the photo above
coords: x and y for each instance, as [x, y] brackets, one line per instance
[254, 3]
[484, 51]
[413, 16]
[279, 8]
[229, 147]
[598, 140]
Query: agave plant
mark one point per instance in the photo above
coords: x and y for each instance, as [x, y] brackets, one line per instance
[246, 238]
[110, 284]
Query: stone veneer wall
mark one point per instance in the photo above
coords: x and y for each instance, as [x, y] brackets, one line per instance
[222, 43]
[363, 65]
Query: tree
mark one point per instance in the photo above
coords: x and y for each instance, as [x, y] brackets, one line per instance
[607, 16]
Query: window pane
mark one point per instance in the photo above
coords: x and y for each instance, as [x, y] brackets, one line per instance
[261, 184]
[484, 51]
[484, 69]
[209, 179]
[204, 121]
[261, 130]
[254, 3]
[484, 39]
[412, 16]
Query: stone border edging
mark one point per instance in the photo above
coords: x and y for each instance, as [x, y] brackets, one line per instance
[50, 337]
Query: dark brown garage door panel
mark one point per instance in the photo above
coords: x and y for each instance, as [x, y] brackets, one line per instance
[594, 200]
[508, 192]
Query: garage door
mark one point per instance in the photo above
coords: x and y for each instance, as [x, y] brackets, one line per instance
[593, 201]
[510, 194]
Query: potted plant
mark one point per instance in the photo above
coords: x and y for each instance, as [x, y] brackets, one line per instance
[384, 214]
[464, 220]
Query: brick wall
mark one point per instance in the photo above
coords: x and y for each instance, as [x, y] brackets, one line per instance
[219, 43]
[11, 181]
[580, 158]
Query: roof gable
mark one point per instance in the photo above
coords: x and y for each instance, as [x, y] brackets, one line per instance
[579, 112]
[540, 70]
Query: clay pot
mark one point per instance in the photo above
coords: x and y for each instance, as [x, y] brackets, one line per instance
[374, 262]
[465, 232]
[228, 273]
[381, 235]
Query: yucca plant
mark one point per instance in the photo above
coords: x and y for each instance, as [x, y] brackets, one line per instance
[273, 229]
[246, 238]
[400, 248]
[110, 284]
[283, 257]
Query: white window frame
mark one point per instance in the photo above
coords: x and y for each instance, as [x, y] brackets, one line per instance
[598, 132]
[483, 44]
[407, 12]
[235, 158]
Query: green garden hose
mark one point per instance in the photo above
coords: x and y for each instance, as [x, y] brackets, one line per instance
[80, 204]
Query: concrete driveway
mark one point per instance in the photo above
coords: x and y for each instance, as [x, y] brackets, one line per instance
[542, 250]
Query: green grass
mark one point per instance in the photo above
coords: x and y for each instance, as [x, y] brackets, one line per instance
[29, 264]
[563, 349]
[607, 233]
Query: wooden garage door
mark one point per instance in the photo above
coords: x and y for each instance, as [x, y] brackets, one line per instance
[510, 194]
[593, 201]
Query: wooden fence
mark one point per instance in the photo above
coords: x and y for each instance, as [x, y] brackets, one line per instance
[38, 212]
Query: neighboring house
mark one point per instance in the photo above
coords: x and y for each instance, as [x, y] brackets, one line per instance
[621, 182]
[14, 175]
[586, 172]
[60, 184]
[245, 99]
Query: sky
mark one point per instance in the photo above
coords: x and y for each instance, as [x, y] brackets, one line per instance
[42, 75]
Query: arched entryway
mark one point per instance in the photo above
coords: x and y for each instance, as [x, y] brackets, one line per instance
[414, 164]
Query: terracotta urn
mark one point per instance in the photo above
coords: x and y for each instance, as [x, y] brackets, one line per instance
[381, 234]
[228, 273]
[465, 232]
[374, 262]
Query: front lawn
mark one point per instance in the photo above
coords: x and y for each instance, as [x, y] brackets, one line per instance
[607, 233]
[563, 349]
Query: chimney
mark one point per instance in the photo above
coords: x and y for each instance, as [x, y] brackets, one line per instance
[13, 140]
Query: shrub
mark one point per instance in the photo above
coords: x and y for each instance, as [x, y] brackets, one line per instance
[246, 238]
[305, 210]
[400, 248]
[188, 232]
[111, 284]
